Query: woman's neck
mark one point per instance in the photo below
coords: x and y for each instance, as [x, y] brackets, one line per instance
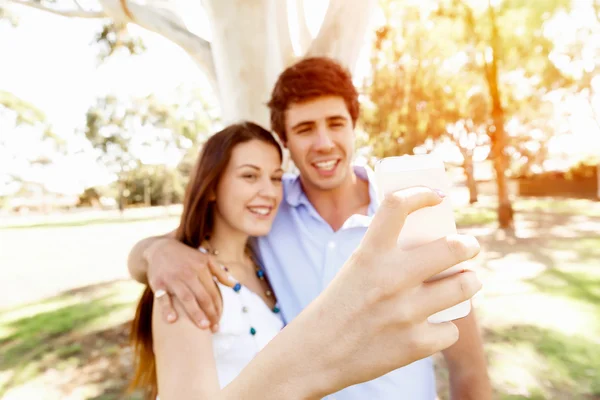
[229, 244]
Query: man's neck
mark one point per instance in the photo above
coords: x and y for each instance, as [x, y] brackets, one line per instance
[335, 206]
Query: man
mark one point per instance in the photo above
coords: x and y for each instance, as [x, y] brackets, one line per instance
[323, 218]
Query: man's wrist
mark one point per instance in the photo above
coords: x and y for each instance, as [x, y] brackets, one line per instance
[151, 250]
[303, 370]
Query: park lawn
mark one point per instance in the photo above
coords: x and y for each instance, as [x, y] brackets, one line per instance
[75, 343]
[539, 313]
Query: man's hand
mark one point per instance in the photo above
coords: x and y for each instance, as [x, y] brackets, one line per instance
[382, 290]
[372, 318]
[186, 273]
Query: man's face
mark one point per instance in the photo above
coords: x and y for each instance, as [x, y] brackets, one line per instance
[320, 138]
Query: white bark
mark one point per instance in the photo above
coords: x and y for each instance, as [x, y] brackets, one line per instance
[343, 30]
[305, 38]
[71, 13]
[247, 51]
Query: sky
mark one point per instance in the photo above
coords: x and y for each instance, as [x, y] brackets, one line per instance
[51, 61]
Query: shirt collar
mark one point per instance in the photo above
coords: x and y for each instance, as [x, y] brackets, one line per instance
[295, 195]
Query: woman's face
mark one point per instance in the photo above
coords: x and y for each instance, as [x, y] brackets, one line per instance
[249, 192]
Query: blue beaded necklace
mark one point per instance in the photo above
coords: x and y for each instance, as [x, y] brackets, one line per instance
[260, 274]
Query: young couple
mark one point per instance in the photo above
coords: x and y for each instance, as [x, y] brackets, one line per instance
[256, 249]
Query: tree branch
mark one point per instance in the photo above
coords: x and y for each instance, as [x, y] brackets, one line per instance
[283, 32]
[75, 13]
[343, 30]
[303, 31]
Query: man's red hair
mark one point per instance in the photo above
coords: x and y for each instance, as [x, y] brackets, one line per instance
[306, 80]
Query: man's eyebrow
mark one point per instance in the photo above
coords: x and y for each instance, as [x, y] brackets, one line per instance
[302, 124]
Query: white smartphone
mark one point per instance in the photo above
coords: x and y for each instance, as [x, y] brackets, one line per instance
[427, 224]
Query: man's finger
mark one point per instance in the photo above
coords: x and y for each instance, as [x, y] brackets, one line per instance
[433, 258]
[438, 337]
[445, 293]
[188, 300]
[220, 273]
[207, 295]
[163, 299]
[389, 219]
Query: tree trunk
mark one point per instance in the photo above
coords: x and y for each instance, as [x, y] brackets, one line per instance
[468, 167]
[121, 200]
[147, 191]
[247, 56]
[496, 130]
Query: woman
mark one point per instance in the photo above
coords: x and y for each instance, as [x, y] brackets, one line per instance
[233, 195]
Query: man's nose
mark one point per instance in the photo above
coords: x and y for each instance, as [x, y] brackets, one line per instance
[323, 140]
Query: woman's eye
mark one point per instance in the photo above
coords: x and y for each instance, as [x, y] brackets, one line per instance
[277, 179]
[249, 177]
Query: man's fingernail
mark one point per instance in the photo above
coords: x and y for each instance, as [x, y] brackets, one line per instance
[224, 268]
[440, 193]
[231, 279]
[171, 317]
[204, 324]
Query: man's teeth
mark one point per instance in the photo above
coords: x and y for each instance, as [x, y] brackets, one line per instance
[326, 165]
[260, 210]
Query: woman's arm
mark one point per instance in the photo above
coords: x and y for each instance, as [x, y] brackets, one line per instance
[185, 364]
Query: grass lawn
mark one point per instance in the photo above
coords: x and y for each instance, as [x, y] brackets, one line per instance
[73, 344]
[539, 309]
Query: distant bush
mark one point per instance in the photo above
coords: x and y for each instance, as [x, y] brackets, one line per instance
[585, 169]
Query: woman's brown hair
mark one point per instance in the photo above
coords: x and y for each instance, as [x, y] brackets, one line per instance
[196, 223]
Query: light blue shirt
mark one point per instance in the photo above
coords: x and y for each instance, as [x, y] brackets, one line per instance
[302, 254]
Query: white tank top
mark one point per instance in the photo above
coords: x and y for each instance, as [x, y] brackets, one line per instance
[234, 345]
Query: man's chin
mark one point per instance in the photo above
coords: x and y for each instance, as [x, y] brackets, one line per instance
[327, 184]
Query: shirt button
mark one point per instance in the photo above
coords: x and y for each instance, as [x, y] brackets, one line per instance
[331, 245]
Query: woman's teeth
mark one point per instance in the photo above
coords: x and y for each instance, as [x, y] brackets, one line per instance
[326, 165]
[260, 210]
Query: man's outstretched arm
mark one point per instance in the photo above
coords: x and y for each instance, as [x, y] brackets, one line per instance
[467, 364]
[372, 318]
[137, 261]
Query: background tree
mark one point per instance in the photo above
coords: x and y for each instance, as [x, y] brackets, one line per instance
[422, 92]
[431, 57]
[27, 141]
[514, 62]
[125, 132]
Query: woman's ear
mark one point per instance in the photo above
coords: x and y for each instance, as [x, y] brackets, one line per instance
[212, 196]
